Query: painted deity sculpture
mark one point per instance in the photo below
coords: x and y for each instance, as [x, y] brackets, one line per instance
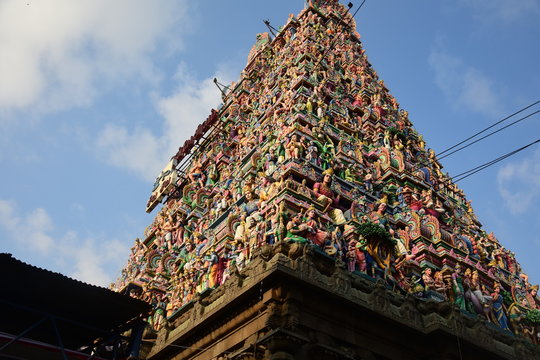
[329, 200]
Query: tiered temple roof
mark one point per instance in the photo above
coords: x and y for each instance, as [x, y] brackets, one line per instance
[310, 150]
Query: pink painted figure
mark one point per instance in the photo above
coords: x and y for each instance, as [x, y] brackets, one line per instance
[328, 199]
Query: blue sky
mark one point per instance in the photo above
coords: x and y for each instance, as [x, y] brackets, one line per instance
[95, 96]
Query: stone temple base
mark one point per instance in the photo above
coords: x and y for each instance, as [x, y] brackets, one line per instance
[293, 302]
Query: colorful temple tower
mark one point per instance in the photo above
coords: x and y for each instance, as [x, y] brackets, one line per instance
[307, 219]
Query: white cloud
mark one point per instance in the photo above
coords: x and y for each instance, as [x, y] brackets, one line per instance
[507, 11]
[519, 183]
[7, 217]
[30, 230]
[61, 53]
[145, 152]
[139, 151]
[84, 259]
[189, 106]
[463, 85]
[90, 257]
[78, 207]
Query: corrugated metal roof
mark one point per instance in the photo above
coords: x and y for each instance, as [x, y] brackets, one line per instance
[82, 312]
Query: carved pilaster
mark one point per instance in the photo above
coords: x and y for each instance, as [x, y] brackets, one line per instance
[379, 298]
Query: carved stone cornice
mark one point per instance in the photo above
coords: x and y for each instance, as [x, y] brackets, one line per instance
[294, 297]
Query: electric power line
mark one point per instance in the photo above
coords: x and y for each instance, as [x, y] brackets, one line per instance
[358, 8]
[426, 163]
[483, 166]
[489, 127]
[490, 134]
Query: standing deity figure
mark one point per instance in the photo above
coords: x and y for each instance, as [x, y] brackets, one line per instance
[497, 307]
[312, 154]
[196, 175]
[458, 288]
[351, 256]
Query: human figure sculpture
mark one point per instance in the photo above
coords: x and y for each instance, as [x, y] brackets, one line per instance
[169, 227]
[480, 300]
[196, 175]
[212, 265]
[350, 256]
[160, 309]
[531, 296]
[368, 181]
[497, 307]
[314, 232]
[458, 287]
[312, 154]
[295, 230]
[439, 284]
[251, 206]
[429, 282]
[240, 231]
[328, 199]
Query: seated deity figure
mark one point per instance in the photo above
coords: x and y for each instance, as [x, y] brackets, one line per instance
[358, 101]
[351, 174]
[315, 234]
[303, 189]
[440, 285]
[251, 207]
[480, 299]
[270, 161]
[240, 231]
[329, 200]
[429, 281]
[296, 230]
[295, 148]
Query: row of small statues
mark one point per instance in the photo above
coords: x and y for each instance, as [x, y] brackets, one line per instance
[200, 272]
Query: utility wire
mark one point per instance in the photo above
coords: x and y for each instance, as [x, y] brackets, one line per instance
[478, 168]
[484, 167]
[489, 127]
[490, 134]
[426, 163]
[358, 8]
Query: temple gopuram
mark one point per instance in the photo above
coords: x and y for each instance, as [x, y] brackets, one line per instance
[307, 219]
